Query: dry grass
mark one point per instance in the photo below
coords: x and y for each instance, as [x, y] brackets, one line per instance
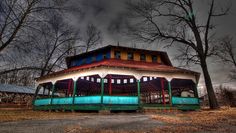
[221, 120]
[28, 114]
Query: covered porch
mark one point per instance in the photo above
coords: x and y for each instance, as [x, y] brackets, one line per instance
[112, 88]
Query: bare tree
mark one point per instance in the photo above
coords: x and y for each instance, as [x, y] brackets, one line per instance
[48, 45]
[92, 38]
[226, 52]
[17, 16]
[177, 22]
[55, 41]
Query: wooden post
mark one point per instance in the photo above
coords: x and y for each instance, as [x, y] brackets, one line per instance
[102, 89]
[53, 89]
[138, 84]
[69, 88]
[170, 93]
[43, 90]
[163, 92]
[195, 91]
[74, 90]
[110, 85]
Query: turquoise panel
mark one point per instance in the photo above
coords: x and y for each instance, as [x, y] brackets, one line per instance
[65, 100]
[39, 102]
[88, 100]
[120, 100]
[184, 100]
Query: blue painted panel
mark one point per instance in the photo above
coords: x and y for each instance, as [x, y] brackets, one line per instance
[79, 62]
[65, 100]
[39, 102]
[184, 100]
[89, 60]
[76, 62]
[88, 100]
[120, 100]
[108, 54]
[99, 57]
[73, 63]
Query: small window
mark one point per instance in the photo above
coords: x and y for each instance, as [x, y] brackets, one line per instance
[125, 81]
[131, 80]
[98, 80]
[118, 81]
[117, 54]
[154, 58]
[130, 56]
[87, 78]
[144, 78]
[112, 81]
[105, 80]
[142, 57]
[92, 79]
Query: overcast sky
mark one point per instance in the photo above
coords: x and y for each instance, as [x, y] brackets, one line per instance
[104, 12]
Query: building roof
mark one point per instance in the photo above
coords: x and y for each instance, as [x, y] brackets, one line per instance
[17, 89]
[163, 54]
[136, 65]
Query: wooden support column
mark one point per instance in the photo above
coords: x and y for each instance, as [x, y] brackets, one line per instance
[69, 87]
[110, 85]
[48, 88]
[163, 91]
[43, 90]
[102, 89]
[138, 85]
[74, 89]
[53, 90]
[170, 93]
[195, 91]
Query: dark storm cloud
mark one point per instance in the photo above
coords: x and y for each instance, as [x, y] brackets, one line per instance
[107, 16]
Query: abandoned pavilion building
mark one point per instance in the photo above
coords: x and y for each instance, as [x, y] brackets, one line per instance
[118, 78]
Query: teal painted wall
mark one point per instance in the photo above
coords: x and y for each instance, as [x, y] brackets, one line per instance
[120, 100]
[184, 100]
[88, 100]
[40, 102]
[65, 100]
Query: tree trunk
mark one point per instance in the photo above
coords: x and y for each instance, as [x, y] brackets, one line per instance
[210, 91]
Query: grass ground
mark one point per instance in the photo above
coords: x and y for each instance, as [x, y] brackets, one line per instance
[222, 120]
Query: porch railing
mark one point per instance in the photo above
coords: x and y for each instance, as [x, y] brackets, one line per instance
[127, 100]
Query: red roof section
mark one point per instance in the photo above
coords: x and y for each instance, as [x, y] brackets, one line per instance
[137, 65]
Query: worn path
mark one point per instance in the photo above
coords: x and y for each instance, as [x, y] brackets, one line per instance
[119, 122]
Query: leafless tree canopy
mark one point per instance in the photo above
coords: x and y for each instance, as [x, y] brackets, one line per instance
[226, 51]
[34, 39]
[17, 17]
[92, 37]
[177, 22]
